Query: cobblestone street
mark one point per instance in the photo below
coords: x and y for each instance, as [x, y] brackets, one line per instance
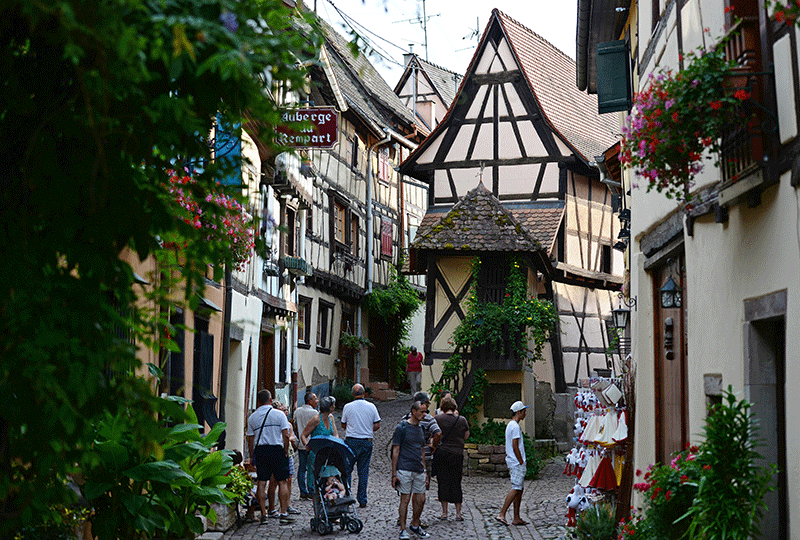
[543, 502]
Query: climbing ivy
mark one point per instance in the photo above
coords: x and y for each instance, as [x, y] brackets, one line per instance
[488, 323]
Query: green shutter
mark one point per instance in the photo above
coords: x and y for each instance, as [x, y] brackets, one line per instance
[613, 77]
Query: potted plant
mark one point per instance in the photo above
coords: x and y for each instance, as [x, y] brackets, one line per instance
[353, 342]
[679, 117]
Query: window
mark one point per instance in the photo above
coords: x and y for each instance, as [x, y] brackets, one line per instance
[386, 238]
[324, 320]
[290, 232]
[492, 279]
[384, 165]
[354, 153]
[310, 221]
[339, 218]
[605, 259]
[304, 322]
[354, 234]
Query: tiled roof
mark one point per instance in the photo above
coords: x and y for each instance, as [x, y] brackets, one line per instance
[551, 75]
[361, 83]
[445, 82]
[478, 222]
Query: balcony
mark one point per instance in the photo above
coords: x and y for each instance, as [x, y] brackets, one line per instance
[297, 266]
[743, 146]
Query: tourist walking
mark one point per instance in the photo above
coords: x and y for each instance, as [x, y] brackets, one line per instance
[321, 425]
[360, 420]
[268, 445]
[414, 369]
[409, 476]
[302, 416]
[515, 459]
[273, 484]
[448, 461]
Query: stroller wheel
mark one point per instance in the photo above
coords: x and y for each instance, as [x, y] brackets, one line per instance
[323, 528]
[355, 525]
[313, 524]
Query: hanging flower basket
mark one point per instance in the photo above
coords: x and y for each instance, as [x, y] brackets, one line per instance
[678, 118]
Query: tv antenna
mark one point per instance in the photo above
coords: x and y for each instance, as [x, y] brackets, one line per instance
[476, 33]
[423, 21]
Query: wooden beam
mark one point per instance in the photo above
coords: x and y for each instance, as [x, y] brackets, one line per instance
[497, 78]
[476, 163]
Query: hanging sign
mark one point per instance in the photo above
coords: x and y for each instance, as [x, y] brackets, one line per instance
[322, 130]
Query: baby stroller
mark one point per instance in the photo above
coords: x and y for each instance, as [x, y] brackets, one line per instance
[333, 458]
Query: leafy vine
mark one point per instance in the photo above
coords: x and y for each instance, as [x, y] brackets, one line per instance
[488, 323]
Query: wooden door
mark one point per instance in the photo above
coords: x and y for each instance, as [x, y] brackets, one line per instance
[670, 365]
[266, 363]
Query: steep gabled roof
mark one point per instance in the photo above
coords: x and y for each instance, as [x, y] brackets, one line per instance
[551, 75]
[548, 79]
[476, 223]
[443, 81]
[362, 86]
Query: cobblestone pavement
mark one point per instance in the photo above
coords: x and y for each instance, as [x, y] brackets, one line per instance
[542, 502]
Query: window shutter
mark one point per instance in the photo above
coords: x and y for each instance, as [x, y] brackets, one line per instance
[613, 77]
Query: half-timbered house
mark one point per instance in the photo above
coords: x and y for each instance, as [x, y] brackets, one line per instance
[427, 90]
[519, 126]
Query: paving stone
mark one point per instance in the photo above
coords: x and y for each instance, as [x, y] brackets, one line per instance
[542, 502]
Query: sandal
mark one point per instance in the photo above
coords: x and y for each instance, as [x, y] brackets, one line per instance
[459, 518]
[501, 520]
[443, 517]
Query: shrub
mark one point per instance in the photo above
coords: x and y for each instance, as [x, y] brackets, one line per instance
[343, 392]
[597, 523]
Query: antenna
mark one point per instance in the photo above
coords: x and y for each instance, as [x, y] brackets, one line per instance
[423, 21]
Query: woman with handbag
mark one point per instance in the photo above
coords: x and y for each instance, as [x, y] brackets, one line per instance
[448, 461]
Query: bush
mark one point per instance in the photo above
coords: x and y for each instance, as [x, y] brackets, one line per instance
[343, 392]
[597, 523]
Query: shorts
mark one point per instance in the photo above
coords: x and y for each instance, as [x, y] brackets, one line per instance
[517, 476]
[271, 461]
[411, 482]
[291, 465]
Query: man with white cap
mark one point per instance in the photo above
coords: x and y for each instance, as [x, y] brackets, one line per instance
[515, 459]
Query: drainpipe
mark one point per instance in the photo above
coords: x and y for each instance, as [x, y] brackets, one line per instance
[370, 235]
[370, 231]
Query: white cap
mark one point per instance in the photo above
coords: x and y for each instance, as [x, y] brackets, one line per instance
[518, 406]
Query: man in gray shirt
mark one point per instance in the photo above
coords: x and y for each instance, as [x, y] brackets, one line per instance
[301, 417]
[409, 476]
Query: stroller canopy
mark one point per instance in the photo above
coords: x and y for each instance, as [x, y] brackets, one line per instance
[332, 444]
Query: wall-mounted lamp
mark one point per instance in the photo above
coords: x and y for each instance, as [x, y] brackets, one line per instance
[621, 246]
[670, 294]
[625, 215]
[624, 234]
[620, 317]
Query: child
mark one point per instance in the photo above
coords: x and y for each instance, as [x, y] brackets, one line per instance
[333, 488]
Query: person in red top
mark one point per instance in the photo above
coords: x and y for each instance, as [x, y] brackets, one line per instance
[414, 369]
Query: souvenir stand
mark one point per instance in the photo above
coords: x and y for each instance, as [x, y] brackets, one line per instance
[601, 432]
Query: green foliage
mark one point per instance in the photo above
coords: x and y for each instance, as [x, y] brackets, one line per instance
[353, 342]
[519, 316]
[343, 392]
[240, 484]
[395, 304]
[598, 522]
[156, 494]
[713, 491]
[100, 101]
[729, 503]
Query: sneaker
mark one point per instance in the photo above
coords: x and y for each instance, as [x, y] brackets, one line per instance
[291, 510]
[404, 535]
[305, 496]
[286, 519]
[419, 532]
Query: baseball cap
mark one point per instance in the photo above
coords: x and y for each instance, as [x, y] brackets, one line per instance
[518, 406]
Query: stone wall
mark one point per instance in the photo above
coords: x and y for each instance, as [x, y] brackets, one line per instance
[486, 460]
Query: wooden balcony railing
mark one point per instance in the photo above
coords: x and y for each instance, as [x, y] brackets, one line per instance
[743, 145]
